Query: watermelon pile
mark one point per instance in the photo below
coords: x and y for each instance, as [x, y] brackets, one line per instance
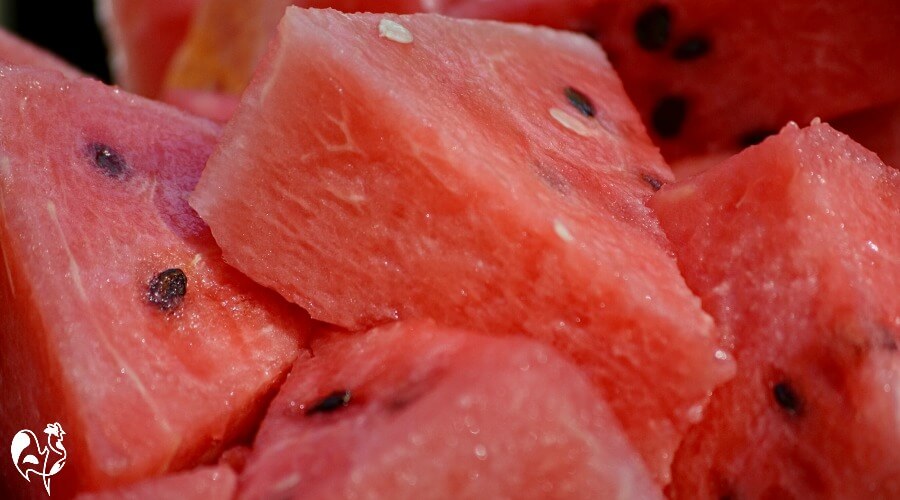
[455, 249]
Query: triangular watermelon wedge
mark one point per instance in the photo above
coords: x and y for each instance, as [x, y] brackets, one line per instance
[118, 318]
[486, 175]
[415, 410]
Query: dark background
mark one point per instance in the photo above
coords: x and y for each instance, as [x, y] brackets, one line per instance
[67, 28]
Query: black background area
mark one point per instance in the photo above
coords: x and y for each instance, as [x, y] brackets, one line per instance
[67, 28]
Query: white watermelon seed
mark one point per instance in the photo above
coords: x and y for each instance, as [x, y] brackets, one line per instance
[570, 121]
[562, 231]
[394, 31]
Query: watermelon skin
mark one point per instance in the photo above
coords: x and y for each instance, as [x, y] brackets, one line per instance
[15, 51]
[877, 129]
[202, 483]
[142, 36]
[387, 197]
[436, 412]
[138, 390]
[230, 37]
[766, 64]
[793, 248]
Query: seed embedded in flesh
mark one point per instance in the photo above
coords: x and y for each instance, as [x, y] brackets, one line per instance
[652, 28]
[669, 115]
[692, 48]
[108, 160]
[394, 31]
[786, 397]
[580, 101]
[167, 289]
[754, 137]
[330, 403]
[655, 183]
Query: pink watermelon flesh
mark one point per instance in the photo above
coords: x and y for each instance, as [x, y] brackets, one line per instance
[142, 36]
[877, 129]
[369, 180]
[213, 105]
[415, 410]
[203, 483]
[229, 37]
[720, 75]
[17, 52]
[793, 246]
[146, 370]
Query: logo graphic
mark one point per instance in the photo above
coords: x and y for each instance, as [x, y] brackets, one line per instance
[27, 453]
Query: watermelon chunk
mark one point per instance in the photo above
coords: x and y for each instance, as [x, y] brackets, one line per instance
[721, 75]
[230, 37]
[17, 52]
[416, 410]
[142, 36]
[203, 483]
[216, 106]
[118, 317]
[793, 247]
[368, 179]
[877, 129]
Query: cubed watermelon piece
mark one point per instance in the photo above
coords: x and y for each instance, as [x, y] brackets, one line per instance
[118, 317]
[230, 37]
[418, 411]
[142, 36]
[202, 483]
[719, 75]
[487, 175]
[794, 248]
[877, 129]
[17, 52]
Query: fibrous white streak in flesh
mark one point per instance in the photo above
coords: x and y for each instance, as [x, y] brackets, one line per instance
[349, 145]
[75, 271]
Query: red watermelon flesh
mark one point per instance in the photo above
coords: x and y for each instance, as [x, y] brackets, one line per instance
[17, 52]
[720, 75]
[118, 318]
[877, 129]
[229, 37]
[381, 187]
[420, 411]
[203, 483]
[142, 36]
[793, 247]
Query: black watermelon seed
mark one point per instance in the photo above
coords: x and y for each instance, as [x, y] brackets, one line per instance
[108, 160]
[668, 116]
[652, 28]
[655, 183]
[691, 48]
[786, 397]
[581, 102]
[167, 289]
[334, 401]
[754, 137]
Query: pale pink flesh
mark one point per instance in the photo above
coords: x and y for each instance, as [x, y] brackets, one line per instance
[441, 412]
[139, 391]
[381, 188]
[794, 246]
[203, 483]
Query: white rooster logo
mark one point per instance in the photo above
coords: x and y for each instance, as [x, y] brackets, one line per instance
[26, 450]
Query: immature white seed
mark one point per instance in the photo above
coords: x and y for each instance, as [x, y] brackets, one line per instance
[570, 121]
[394, 31]
[562, 231]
